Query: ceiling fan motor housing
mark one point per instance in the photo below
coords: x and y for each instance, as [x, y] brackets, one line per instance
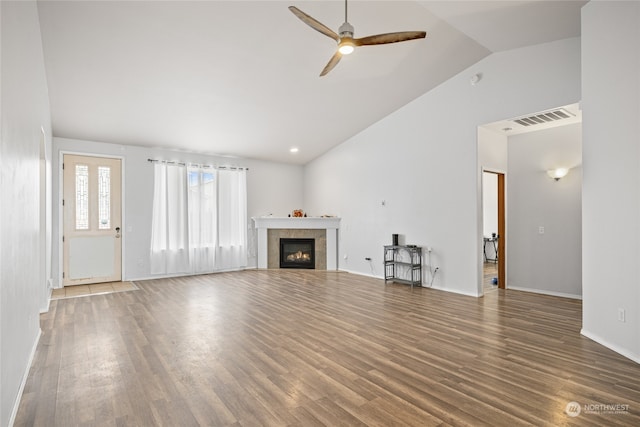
[346, 30]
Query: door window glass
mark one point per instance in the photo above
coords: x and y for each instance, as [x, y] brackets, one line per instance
[82, 197]
[104, 197]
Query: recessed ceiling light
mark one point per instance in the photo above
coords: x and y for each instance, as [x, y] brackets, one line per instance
[293, 150]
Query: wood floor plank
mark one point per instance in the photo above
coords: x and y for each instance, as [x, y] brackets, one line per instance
[313, 348]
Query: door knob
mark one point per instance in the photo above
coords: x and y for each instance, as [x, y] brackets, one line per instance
[117, 232]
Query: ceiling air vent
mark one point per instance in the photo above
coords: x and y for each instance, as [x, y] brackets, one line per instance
[544, 117]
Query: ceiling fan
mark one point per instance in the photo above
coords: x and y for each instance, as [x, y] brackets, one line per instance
[345, 40]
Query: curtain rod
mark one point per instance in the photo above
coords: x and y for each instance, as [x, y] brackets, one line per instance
[170, 162]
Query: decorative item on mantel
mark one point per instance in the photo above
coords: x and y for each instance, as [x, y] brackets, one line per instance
[298, 213]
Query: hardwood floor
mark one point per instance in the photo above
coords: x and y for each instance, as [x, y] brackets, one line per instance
[311, 348]
[86, 290]
[489, 271]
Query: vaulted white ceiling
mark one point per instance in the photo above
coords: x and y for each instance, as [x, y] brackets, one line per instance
[241, 78]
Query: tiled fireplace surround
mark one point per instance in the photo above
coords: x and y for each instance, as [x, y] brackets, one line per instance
[323, 230]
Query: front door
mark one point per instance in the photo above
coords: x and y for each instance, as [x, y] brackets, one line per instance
[92, 249]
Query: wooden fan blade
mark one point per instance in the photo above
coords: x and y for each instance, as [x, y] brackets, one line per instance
[389, 38]
[314, 24]
[332, 63]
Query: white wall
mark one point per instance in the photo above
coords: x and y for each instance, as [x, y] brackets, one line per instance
[492, 150]
[551, 262]
[611, 161]
[25, 109]
[272, 188]
[423, 161]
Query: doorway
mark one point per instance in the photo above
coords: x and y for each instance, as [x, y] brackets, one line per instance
[493, 245]
[92, 248]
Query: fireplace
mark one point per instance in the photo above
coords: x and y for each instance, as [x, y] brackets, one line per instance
[269, 231]
[297, 253]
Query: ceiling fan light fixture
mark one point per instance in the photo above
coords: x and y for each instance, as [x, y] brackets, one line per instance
[346, 46]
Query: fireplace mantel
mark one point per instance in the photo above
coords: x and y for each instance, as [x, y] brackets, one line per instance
[289, 222]
[331, 225]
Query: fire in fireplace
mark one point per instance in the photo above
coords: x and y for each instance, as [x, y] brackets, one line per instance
[297, 253]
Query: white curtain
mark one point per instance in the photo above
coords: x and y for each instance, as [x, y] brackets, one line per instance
[202, 218]
[232, 219]
[169, 232]
[199, 220]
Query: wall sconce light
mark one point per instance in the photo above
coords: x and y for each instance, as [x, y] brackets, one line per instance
[557, 173]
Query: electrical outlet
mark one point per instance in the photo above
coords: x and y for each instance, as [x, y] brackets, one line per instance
[429, 249]
[541, 230]
[346, 256]
[622, 315]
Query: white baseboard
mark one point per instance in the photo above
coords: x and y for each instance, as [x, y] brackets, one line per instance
[453, 291]
[25, 376]
[358, 273]
[623, 351]
[545, 292]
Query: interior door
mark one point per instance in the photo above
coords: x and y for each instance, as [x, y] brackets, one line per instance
[92, 249]
[502, 247]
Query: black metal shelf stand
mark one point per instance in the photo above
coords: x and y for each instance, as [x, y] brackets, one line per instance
[403, 264]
